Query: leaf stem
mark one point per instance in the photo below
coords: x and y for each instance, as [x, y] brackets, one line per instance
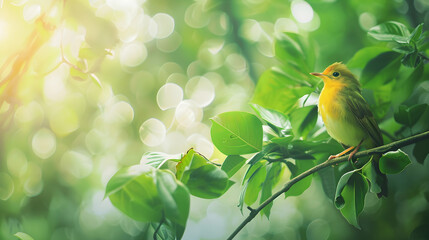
[378, 150]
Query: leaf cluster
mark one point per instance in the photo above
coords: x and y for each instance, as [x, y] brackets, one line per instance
[282, 139]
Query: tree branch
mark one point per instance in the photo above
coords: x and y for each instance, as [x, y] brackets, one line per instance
[378, 150]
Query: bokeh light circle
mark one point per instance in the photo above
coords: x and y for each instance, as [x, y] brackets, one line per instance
[44, 143]
[152, 132]
[200, 90]
[188, 112]
[302, 11]
[169, 96]
[165, 25]
[132, 54]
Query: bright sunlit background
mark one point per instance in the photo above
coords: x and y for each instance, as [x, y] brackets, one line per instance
[88, 86]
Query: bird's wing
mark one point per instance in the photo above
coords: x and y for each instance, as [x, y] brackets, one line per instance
[360, 109]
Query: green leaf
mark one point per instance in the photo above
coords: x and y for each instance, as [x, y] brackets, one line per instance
[409, 116]
[404, 49]
[300, 147]
[166, 230]
[412, 59]
[274, 173]
[274, 117]
[415, 35]
[380, 69]
[303, 120]
[207, 182]
[190, 161]
[364, 55]
[23, 236]
[339, 200]
[351, 198]
[158, 159]
[278, 92]
[394, 162]
[232, 164]
[370, 172]
[254, 185]
[236, 133]
[327, 177]
[421, 150]
[405, 86]
[294, 49]
[175, 199]
[390, 32]
[266, 149]
[401, 115]
[252, 169]
[299, 187]
[133, 191]
[203, 179]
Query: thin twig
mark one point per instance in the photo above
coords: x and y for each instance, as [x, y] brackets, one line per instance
[378, 150]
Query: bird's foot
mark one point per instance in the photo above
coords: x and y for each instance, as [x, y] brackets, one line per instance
[340, 154]
[353, 153]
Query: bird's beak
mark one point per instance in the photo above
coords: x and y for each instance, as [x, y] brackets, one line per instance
[317, 74]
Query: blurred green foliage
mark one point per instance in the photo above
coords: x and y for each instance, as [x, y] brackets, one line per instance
[91, 87]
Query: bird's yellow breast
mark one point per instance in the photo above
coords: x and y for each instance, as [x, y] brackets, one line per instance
[329, 104]
[333, 110]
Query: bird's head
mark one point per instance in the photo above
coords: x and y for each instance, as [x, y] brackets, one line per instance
[338, 73]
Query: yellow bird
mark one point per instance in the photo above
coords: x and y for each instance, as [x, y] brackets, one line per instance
[347, 116]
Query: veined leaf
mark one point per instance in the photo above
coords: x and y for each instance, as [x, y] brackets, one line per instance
[375, 179]
[350, 196]
[415, 35]
[327, 177]
[291, 48]
[23, 236]
[253, 168]
[232, 164]
[274, 117]
[158, 159]
[303, 120]
[236, 133]
[191, 160]
[405, 86]
[421, 150]
[364, 55]
[278, 92]
[133, 191]
[412, 59]
[203, 179]
[274, 173]
[380, 69]
[254, 185]
[390, 31]
[409, 116]
[175, 199]
[394, 162]
[299, 187]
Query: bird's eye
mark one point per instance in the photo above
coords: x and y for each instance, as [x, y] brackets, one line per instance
[336, 74]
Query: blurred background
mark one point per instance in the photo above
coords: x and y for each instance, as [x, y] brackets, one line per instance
[88, 86]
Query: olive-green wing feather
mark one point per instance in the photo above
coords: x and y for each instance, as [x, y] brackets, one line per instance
[360, 109]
